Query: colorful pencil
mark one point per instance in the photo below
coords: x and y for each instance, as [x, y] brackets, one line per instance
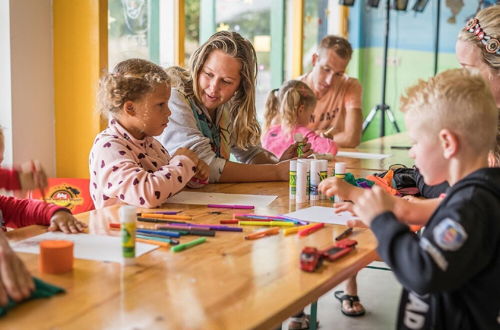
[166, 216]
[263, 233]
[310, 230]
[228, 206]
[188, 245]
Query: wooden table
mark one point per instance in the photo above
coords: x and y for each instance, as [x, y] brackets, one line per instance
[227, 283]
[382, 146]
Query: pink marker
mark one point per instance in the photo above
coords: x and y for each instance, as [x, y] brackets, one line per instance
[227, 206]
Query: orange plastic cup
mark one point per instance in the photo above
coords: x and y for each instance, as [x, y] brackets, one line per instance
[56, 256]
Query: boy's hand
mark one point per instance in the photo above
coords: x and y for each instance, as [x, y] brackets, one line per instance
[336, 186]
[372, 203]
[188, 153]
[66, 222]
[203, 171]
[15, 280]
[32, 176]
[344, 206]
[356, 223]
[291, 151]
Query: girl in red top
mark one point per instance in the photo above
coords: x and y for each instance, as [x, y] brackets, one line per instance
[15, 280]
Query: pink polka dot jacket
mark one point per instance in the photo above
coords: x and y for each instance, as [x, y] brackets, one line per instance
[136, 172]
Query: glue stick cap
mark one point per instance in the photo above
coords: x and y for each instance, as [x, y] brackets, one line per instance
[298, 137]
[56, 256]
[128, 213]
[340, 168]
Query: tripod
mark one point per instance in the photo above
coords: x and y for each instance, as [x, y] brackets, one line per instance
[383, 108]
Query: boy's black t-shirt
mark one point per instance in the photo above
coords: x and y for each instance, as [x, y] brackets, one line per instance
[451, 274]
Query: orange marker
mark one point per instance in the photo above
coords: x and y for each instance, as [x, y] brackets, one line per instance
[142, 240]
[263, 233]
[307, 231]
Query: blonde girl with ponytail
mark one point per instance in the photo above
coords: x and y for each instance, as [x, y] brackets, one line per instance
[292, 107]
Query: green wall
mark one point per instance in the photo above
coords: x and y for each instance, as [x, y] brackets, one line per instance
[404, 69]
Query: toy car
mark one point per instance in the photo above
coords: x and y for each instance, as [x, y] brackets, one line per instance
[339, 249]
[310, 259]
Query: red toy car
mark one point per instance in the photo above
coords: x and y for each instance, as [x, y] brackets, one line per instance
[339, 249]
[311, 258]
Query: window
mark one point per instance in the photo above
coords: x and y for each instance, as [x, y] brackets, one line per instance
[129, 31]
[251, 19]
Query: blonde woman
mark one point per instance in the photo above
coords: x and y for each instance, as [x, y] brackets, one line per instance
[213, 113]
[478, 48]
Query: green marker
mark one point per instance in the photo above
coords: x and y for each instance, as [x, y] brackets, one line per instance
[180, 247]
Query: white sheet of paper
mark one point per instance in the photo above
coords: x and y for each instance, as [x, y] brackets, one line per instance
[361, 155]
[321, 214]
[86, 246]
[204, 198]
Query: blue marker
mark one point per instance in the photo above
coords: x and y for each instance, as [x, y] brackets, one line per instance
[159, 232]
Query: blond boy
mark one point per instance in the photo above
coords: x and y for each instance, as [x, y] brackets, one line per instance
[449, 274]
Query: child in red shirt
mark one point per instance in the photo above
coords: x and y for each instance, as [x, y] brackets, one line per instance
[15, 280]
[17, 213]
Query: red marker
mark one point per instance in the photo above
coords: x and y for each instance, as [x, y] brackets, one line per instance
[307, 231]
[229, 222]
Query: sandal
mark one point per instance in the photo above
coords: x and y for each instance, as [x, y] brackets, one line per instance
[300, 322]
[352, 299]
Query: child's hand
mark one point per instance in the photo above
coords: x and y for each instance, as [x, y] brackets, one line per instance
[328, 134]
[291, 151]
[203, 171]
[66, 222]
[412, 199]
[188, 153]
[283, 170]
[344, 206]
[372, 203]
[356, 224]
[349, 207]
[336, 186]
[32, 176]
[15, 280]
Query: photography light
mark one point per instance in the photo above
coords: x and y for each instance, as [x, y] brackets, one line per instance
[400, 4]
[420, 5]
[373, 3]
[349, 3]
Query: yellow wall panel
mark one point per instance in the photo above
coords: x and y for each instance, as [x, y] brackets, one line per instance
[180, 34]
[80, 57]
